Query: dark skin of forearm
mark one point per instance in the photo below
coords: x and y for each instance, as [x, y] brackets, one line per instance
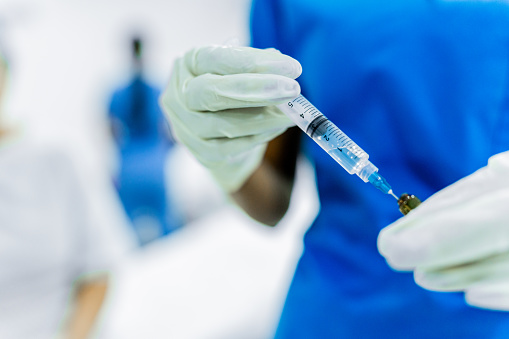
[266, 194]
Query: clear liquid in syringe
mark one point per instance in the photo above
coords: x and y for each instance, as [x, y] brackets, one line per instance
[336, 143]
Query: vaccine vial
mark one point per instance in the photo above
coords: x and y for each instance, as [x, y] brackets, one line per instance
[408, 202]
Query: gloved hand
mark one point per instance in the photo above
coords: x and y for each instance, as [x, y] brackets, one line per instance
[458, 239]
[220, 104]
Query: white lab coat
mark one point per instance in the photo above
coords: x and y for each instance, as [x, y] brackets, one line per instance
[55, 227]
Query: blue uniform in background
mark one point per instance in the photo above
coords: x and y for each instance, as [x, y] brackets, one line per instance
[421, 86]
[143, 148]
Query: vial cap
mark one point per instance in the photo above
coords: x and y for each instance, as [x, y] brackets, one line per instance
[408, 202]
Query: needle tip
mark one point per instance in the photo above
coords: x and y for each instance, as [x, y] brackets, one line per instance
[392, 193]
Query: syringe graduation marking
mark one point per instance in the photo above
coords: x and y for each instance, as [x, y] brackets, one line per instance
[336, 143]
[315, 124]
[317, 120]
[320, 120]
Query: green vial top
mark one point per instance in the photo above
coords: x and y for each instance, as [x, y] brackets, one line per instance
[408, 202]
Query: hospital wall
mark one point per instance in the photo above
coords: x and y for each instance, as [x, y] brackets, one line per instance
[67, 56]
[221, 277]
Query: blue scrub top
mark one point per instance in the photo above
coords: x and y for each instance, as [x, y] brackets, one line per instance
[144, 147]
[421, 86]
[136, 107]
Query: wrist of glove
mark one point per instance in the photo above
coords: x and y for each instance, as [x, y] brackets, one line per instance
[220, 105]
[458, 239]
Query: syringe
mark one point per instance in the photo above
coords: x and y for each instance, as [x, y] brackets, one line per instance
[336, 143]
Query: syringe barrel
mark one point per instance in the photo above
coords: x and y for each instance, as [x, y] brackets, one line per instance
[336, 143]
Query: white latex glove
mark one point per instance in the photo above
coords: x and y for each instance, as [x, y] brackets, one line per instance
[458, 239]
[220, 104]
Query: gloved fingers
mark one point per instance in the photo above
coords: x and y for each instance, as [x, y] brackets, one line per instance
[237, 123]
[499, 163]
[223, 60]
[492, 295]
[230, 170]
[229, 123]
[460, 234]
[220, 104]
[465, 276]
[232, 123]
[212, 92]
[216, 151]
[240, 145]
[231, 176]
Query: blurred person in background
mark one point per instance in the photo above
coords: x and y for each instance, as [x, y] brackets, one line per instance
[422, 85]
[60, 236]
[142, 136]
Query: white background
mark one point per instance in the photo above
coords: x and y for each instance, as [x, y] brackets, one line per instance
[223, 275]
[67, 56]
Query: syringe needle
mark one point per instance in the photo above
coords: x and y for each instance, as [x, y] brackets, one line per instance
[392, 193]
